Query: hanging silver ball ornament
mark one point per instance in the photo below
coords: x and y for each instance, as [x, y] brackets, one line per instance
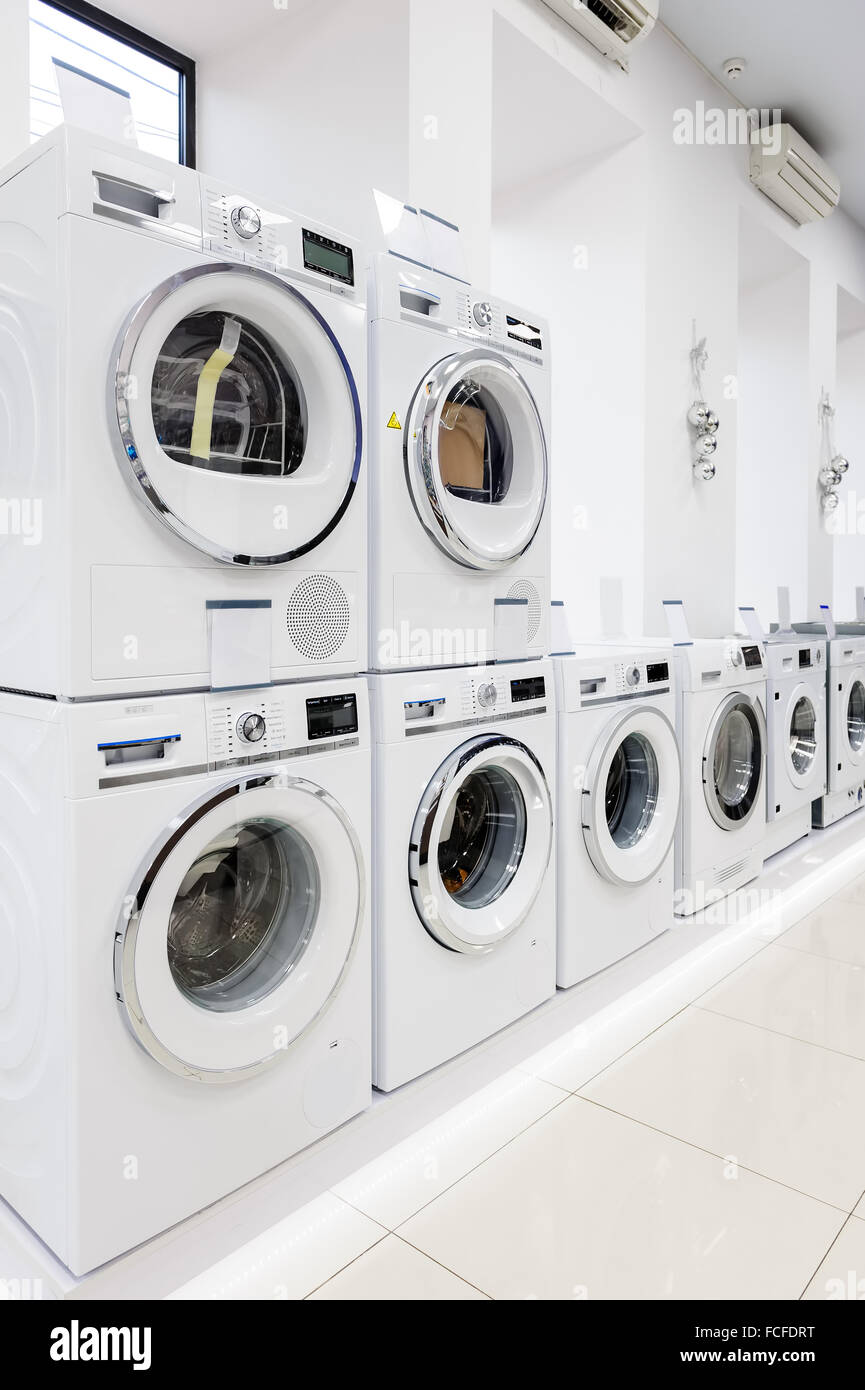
[704, 469]
[711, 423]
[830, 501]
[829, 477]
[840, 464]
[706, 445]
[698, 415]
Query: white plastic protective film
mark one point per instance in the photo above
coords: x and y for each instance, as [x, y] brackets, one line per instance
[240, 644]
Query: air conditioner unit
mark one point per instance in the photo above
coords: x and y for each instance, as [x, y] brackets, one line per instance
[613, 26]
[787, 170]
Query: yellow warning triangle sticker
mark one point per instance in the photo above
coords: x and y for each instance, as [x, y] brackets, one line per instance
[393, 423]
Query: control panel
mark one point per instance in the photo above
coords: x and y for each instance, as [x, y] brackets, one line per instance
[265, 724]
[474, 696]
[236, 228]
[613, 677]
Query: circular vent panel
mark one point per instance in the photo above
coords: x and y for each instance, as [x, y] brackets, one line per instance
[318, 617]
[524, 588]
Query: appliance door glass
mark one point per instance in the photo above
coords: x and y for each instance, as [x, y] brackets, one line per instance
[237, 414]
[476, 460]
[733, 761]
[630, 798]
[480, 844]
[241, 927]
[803, 738]
[856, 718]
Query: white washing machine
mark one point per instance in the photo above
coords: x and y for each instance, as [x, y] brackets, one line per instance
[459, 435]
[464, 864]
[845, 720]
[721, 724]
[619, 787]
[796, 743]
[184, 950]
[181, 386]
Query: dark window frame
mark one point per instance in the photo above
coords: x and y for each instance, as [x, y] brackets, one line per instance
[152, 48]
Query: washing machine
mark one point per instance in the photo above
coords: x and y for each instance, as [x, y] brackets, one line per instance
[459, 438]
[845, 719]
[464, 860]
[619, 786]
[184, 950]
[721, 724]
[796, 735]
[181, 386]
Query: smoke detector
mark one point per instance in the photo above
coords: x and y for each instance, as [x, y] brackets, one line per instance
[733, 68]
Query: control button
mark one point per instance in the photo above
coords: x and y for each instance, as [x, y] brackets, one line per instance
[251, 727]
[487, 695]
[482, 313]
[632, 675]
[245, 221]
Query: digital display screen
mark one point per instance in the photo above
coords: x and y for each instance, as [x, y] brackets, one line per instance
[752, 656]
[657, 671]
[529, 688]
[524, 332]
[328, 257]
[804, 657]
[330, 715]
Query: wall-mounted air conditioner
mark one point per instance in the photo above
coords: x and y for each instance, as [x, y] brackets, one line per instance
[787, 170]
[613, 26]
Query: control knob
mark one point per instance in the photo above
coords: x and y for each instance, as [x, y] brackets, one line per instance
[487, 695]
[251, 727]
[632, 675]
[736, 656]
[482, 313]
[245, 221]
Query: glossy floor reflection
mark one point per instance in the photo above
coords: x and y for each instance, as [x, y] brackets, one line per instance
[721, 1157]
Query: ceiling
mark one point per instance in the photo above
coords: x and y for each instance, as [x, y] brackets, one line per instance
[804, 58]
[201, 27]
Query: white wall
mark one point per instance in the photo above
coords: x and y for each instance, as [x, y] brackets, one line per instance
[776, 485]
[14, 85]
[312, 111]
[691, 255]
[848, 523]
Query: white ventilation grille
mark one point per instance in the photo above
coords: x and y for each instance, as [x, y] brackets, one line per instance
[722, 875]
[318, 617]
[524, 588]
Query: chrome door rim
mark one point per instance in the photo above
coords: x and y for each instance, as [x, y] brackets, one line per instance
[716, 810]
[431, 511]
[126, 934]
[419, 874]
[129, 457]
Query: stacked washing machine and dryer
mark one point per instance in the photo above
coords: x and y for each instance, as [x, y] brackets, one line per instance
[463, 700]
[184, 738]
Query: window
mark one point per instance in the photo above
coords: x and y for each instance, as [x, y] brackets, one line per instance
[159, 81]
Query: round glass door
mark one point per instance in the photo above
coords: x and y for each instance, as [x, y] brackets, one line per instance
[476, 460]
[238, 416]
[480, 844]
[630, 797]
[241, 927]
[856, 716]
[802, 736]
[733, 764]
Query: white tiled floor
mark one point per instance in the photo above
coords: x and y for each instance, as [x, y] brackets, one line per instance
[721, 1156]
